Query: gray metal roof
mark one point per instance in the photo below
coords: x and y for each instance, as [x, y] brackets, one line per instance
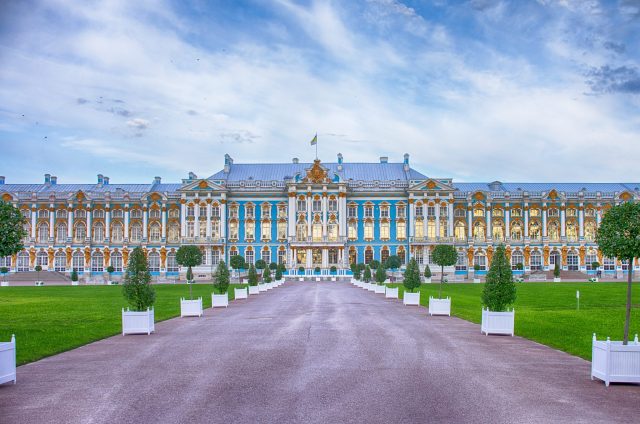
[536, 187]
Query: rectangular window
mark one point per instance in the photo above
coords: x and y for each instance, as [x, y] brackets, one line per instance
[353, 231]
[317, 205]
[384, 212]
[401, 231]
[266, 211]
[249, 231]
[265, 231]
[368, 230]
[402, 211]
[266, 256]
[233, 230]
[384, 231]
[431, 211]
[302, 205]
[249, 211]
[368, 211]
[215, 211]
[419, 211]
[282, 256]
[233, 212]
[215, 257]
[352, 211]
[282, 230]
[333, 205]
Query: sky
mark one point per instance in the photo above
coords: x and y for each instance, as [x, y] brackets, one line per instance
[478, 90]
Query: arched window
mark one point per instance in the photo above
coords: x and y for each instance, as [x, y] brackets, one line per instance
[517, 258]
[301, 230]
[98, 232]
[77, 261]
[573, 261]
[80, 232]
[266, 255]
[478, 230]
[554, 258]
[97, 262]
[332, 230]
[42, 259]
[174, 233]
[116, 261]
[534, 230]
[60, 261]
[5, 262]
[461, 264]
[498, 230]
[368, 230]
[384, 255]
[172, 265]
[401, 230]
[233, 230]
[136, 233]
[554, 231]
[590, 230]
[117, 232]
[154, 232]
[43, 233]
[353, 255]
[22, 262]
[282, 256]
[516, 230]
[249, 256]
[203, 229]
[98, 213]
[460, 230]
[590, 258]
[316, 229]
[61, 233]
[480, 261]
[419, 230]
[368, 255]
[535, 260]
[431, 229]
[572, 231]
[153, 260]
[418, 255]
[265, 230]
[401, 253]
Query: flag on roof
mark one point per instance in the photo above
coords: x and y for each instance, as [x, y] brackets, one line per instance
[314, 141]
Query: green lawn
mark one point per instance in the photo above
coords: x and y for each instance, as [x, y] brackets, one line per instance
[546, 312]
[52, 319]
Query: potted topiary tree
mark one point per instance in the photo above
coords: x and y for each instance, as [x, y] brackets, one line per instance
[8, 361]
[393, 262]
[220, 297]
[237, 263]
[262, 286]
[427, 274]
[300, 272]
[140, 295]
[619, 237]
[37, 269]
[252, 279]
[443, 255]
[190, 256]
[366, 277]
[374, 264]
[498, 294]
[316, 271]
[266, 278]
[380, 277]
[476, 277]
[110, 271]
[333, 271]
[260, 265]
[4, 271]
[278, 275]
[74, 277]
[411, 282]
[556, 273]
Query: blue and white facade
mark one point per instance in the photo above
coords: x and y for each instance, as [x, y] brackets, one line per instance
[312, 215]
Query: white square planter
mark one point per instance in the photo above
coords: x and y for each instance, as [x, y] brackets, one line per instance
[497, 322]
[391, 293]
[8, 361]
[411, 299]
[219, 300]
[240, 293]
[378, 289]
[4, 284]
[75, 283]
[191, 307]
[262, 287]
[371, 287]
[317, 278]
[270, 286]
[254, 290]
[613, 362]
[476, 280]
[39, 283]
[427, 280]
[334, 279]
[439, 306]
[112, 283]
[557, 279]
[138, 322]
[301, 279]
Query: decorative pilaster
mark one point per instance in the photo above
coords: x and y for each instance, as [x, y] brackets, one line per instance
[126, 227]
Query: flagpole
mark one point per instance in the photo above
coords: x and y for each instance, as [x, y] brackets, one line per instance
[316, 146]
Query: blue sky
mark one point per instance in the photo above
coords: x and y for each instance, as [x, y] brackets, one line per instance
[476, 90]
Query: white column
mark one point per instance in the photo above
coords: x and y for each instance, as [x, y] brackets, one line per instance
[581, 221]
[34, 211]
[291, 216]
[450, 219]
[469, 222]
[126, 222]
[223, 218]
[309, 264]
[412, 219]
[163, 221]
[52, 216]
[309, 215]
[196, 211]
[70, 222]
[145, 222]
[183, 220]
[209, 220]
[437, 219]
[107, 222]
[544, 221]
[325, 258]
[88, 210]
[324, 215]
[598, 217]
[342, 202]
[563, 232]
[507, 221]
[525, 210]
[488, 210]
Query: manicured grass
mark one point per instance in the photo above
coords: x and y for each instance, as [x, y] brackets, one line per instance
[546, 312]
[53, 319]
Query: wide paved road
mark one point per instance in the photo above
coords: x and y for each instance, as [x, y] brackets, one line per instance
[318, 353]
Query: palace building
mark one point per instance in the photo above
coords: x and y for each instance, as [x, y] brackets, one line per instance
[312, 215]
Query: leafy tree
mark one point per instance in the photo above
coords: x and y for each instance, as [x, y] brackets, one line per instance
[137, 287]
[38, 268]
[301, 270]
[4, 271]
[273, 266]
[499, 291]
[556, 270]
[367, 274]
[353, 268]
[11, 230]
[619, 237]
[393, 262]
[266, 275]
[381, 274]
[222, 278]
[374, 264]
[260, 264]
[74, 275]
[317, 270]
[237, 262]
[189, 256]
[357, 274]
[595, 265]
[411, 276]
[110, 271]
[253, 276]
[361, 267]
[333, 269]
[519, 266]
[444, 255]
[278, 274]
[427, 271]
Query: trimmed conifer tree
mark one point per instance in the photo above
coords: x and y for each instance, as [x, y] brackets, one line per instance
[381, 274]
[411, 276]
[222, 278]
[278, 273]
[253, 276]
[367, 274]
[266, 275]
[499, 291]
[556, 270]
[427, 271]
[137, 287]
